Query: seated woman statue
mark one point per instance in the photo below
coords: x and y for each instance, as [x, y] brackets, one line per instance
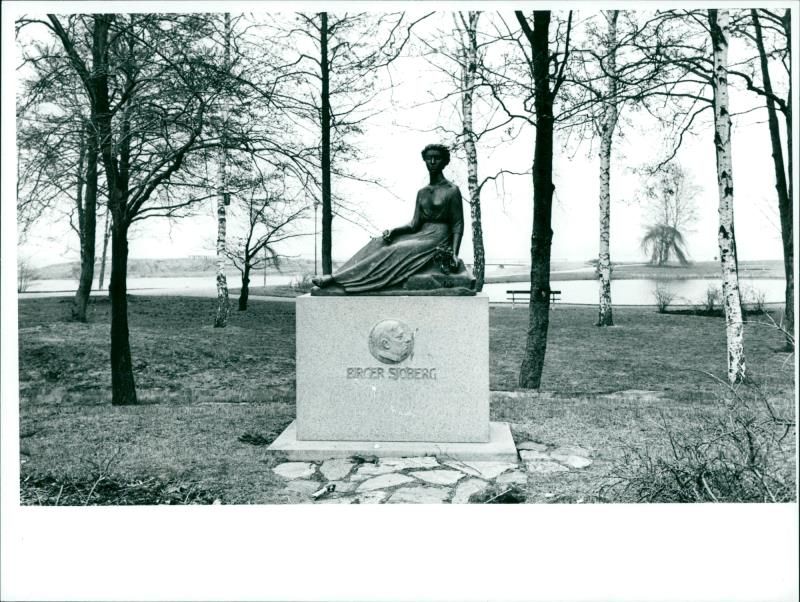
[420, 255]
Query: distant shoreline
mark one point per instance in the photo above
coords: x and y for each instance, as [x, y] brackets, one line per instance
[560, 271]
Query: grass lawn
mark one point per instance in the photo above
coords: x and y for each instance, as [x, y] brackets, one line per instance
[203, 389]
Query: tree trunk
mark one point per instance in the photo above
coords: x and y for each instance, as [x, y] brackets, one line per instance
[123, 387]
[106, 235]
[542, 233]
[223, 304]
[720, 31]
[245, 294]
[608, 124]
[327, 210]
[87, 219]
[784, 200]
[470, 65]
[787, 210]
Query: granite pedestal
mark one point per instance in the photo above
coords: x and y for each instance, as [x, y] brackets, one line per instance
[394, 375]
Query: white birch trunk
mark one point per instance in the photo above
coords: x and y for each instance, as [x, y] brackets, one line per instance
[719, 21]
[608, 124]
[106, 234]
[469, 68]
[223, 304]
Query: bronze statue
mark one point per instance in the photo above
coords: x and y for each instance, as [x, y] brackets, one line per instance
[418, 258]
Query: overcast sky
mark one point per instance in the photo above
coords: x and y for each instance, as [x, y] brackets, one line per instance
[404, 125]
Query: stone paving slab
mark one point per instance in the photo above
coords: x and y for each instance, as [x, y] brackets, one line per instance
[388, 465]
[484, 470]
[375, 479]
[419, 495]
[295, 470]
[572, 461]
[383, 481]
[467, 489]
[545, 467]
[336, 470]
[303, 486]
[438, 477]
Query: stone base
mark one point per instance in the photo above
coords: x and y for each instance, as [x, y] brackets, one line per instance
[398, 368]
[499, 448]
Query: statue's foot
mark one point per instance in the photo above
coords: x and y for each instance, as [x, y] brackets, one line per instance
[322, 281]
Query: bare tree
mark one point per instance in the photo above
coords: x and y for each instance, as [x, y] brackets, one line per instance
[147, 92]
[346, 53]
[272, 212]
[547, 68]
[56, 137]
[719, 26]
[774, 103]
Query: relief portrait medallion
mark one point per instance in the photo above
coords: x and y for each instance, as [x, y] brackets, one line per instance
[391, 341]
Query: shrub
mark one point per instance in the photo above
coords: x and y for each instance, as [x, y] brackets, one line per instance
[744, 453]
[302, 284]
[713, 298]
[25, 275]
[663, 296]
[755, 298]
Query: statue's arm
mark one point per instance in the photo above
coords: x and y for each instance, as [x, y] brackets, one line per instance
[456, 221]
[413, 226]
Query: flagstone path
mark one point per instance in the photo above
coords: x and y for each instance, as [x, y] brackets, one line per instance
[422, 480]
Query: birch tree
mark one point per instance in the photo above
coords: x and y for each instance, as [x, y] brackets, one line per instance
[719, 26]
[460, 53]
[468, 28]
[223, 305]
[608, 123]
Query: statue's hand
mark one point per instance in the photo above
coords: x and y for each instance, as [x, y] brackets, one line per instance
[387, 237]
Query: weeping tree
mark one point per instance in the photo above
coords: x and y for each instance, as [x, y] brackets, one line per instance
[669, 198]
[661, 242]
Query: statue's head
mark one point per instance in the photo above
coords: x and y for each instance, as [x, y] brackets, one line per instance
[441, 149]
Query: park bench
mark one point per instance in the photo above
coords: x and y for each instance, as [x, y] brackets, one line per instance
[512, 295]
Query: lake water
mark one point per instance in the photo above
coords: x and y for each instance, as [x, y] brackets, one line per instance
[176, 285]
[640, 292]
[623, 292]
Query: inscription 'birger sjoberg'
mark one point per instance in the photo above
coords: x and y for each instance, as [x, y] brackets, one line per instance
[392, 373]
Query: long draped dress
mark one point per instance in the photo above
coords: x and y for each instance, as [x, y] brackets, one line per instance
[379, 266]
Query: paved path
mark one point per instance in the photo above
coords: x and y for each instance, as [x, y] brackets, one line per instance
[425, 480]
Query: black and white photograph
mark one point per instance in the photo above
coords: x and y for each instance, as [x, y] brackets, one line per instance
[494, 300]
